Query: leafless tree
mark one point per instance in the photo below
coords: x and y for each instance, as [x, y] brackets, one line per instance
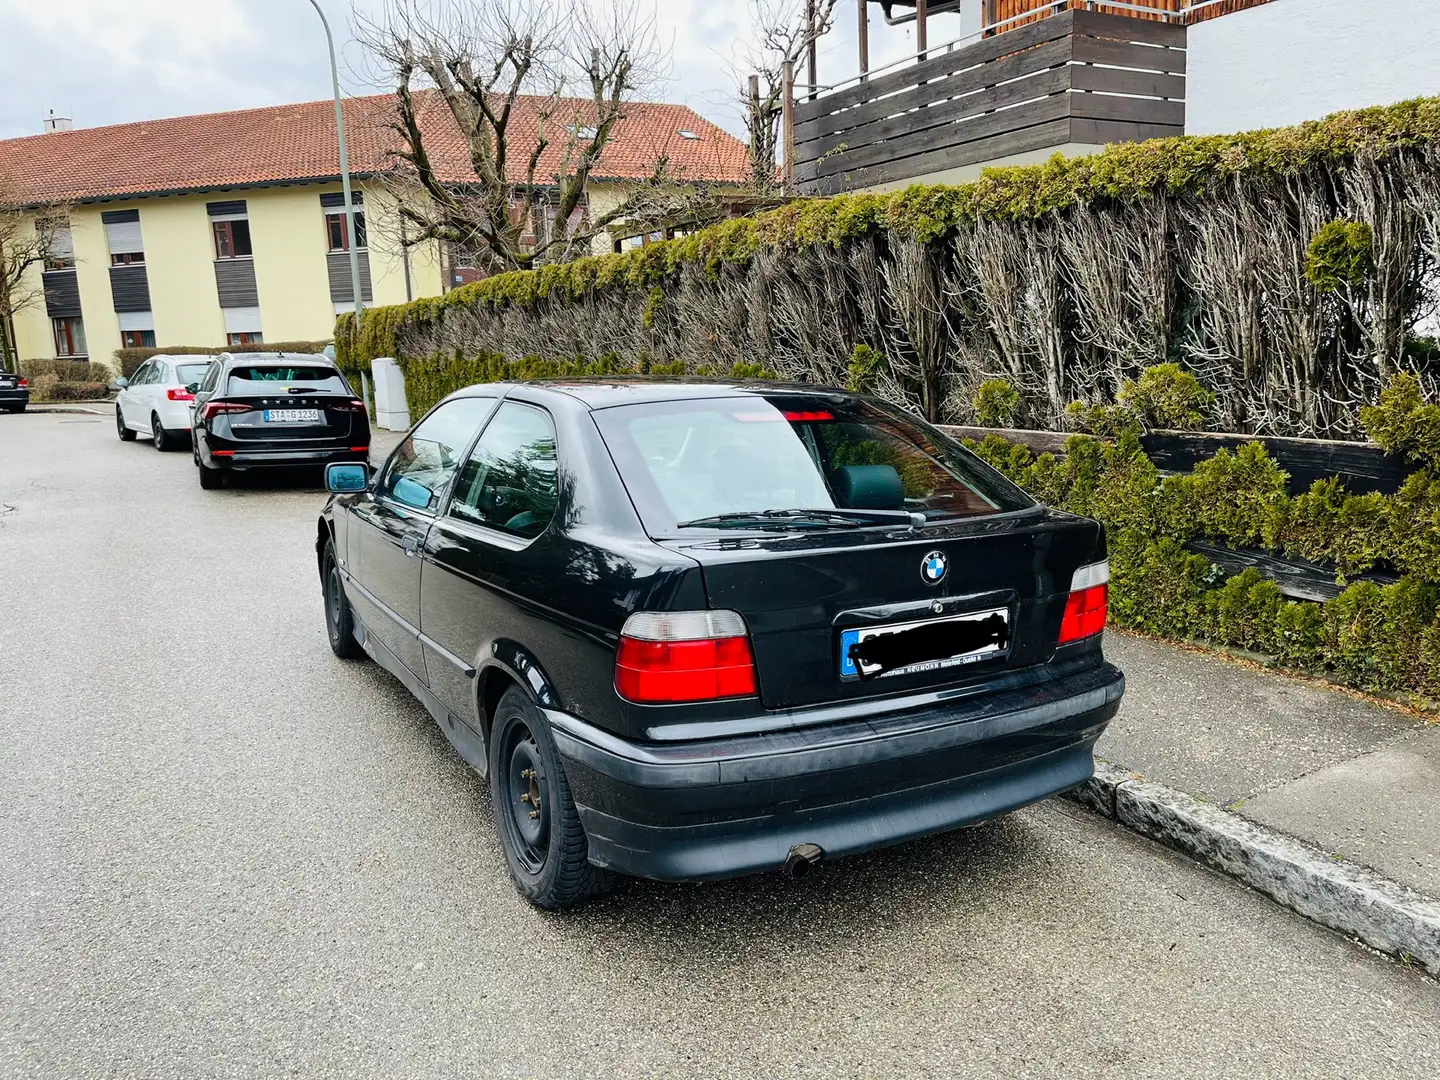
[27, 239]
[783, 30]
[534, 92]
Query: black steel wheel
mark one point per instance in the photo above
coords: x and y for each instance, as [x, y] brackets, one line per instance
[339, 622]
[540, 830]
[126, 435]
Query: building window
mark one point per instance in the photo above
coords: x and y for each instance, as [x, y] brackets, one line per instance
[137, 339]
[60, 254]
[338, 235]
[125, 258]
[247, 337]
[232, 239]
[69, 336]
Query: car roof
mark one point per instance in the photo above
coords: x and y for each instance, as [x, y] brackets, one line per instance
[603, 393]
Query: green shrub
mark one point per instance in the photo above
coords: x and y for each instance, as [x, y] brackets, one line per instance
[65, 371]
[1340, 255]
[1374, 637]
[1167, 396]
[865, 368]
[1103, 421]
[1402, 424]
[996, 404]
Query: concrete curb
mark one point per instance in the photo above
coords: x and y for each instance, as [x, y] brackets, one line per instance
[1326, 889]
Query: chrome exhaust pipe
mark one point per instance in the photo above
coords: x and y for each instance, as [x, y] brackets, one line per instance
[801, 859]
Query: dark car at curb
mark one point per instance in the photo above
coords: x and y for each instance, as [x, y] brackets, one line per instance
[14, 391]
[275, 410]
[693, 630]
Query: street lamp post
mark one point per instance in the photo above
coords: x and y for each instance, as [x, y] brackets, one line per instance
[344, 168]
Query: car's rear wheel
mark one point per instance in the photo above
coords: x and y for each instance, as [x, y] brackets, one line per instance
[162, 437]
[540, 830]
[126, 435]
[210, 479]
[15, 408]
[339, 621]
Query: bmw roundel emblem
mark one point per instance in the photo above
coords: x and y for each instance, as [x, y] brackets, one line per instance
[933, 567]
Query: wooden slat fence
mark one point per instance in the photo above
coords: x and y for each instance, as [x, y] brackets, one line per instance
[1076, 77]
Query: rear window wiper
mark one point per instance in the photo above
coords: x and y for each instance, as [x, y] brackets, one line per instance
[800, 519]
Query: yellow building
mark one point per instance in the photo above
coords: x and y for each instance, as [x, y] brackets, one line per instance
[229, 228]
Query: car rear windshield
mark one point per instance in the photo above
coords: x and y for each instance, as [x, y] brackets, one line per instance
[689, 460]
[264, 378]
[190, 373]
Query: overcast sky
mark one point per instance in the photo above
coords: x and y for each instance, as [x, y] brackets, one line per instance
[112, 61]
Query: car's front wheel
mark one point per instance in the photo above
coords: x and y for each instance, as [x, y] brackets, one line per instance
[126, 435]
[540, 830]
[339, 621]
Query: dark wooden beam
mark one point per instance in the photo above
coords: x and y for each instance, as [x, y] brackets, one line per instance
[922, 13]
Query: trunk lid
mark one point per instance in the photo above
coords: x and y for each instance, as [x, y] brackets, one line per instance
[800, 592]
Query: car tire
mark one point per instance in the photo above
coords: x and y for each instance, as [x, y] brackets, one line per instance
[126, 435]
[158, 433]
[540, 831]
[339, 621]
[210, 479]
[15, 408]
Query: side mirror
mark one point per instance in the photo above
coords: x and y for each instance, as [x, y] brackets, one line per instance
[192, 387]
[344, 476]
[120, 383]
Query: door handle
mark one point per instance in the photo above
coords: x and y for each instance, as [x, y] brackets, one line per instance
[411, 543]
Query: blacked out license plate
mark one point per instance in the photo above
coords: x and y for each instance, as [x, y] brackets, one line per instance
[926, 645]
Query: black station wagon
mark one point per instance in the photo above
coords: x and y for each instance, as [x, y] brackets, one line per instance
[694, 630]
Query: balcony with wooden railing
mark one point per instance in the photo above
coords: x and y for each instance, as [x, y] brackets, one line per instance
[1053, 75]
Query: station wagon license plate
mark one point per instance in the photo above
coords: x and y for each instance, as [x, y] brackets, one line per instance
[292, 416]
[927, 645]
[7, 384]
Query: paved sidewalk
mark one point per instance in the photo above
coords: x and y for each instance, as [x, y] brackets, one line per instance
[1347, 775]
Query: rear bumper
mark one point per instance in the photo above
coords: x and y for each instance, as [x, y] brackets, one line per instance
[10, 398]
[286, 458]
[734, 806]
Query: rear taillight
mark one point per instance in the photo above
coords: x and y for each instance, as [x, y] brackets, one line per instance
[215, 408]
[22, 382]
[1085, 610]
[180, 394]
[353, 405]
[672, 656]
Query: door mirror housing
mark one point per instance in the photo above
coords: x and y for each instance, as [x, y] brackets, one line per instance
[191, 388]
[346, 476]
[120, 383]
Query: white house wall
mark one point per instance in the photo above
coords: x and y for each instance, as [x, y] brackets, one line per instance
[1295, 60]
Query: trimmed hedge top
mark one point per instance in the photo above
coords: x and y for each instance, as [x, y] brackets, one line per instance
[1127, 171]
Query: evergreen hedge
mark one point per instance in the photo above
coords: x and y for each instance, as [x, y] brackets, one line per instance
[1065, 279]
[1372, 637]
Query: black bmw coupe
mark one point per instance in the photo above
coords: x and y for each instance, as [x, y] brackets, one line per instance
[692, 630]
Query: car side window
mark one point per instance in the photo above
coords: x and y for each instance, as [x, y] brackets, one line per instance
[160, 373]
[422, 466]
[211, 375]
[510, 481]
[141, 374]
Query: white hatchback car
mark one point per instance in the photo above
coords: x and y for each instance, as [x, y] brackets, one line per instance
[156, 401]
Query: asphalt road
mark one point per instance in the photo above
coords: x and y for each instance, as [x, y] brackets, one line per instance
[225, 853]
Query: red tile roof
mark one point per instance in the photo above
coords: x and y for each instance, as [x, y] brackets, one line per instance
[297, 142]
